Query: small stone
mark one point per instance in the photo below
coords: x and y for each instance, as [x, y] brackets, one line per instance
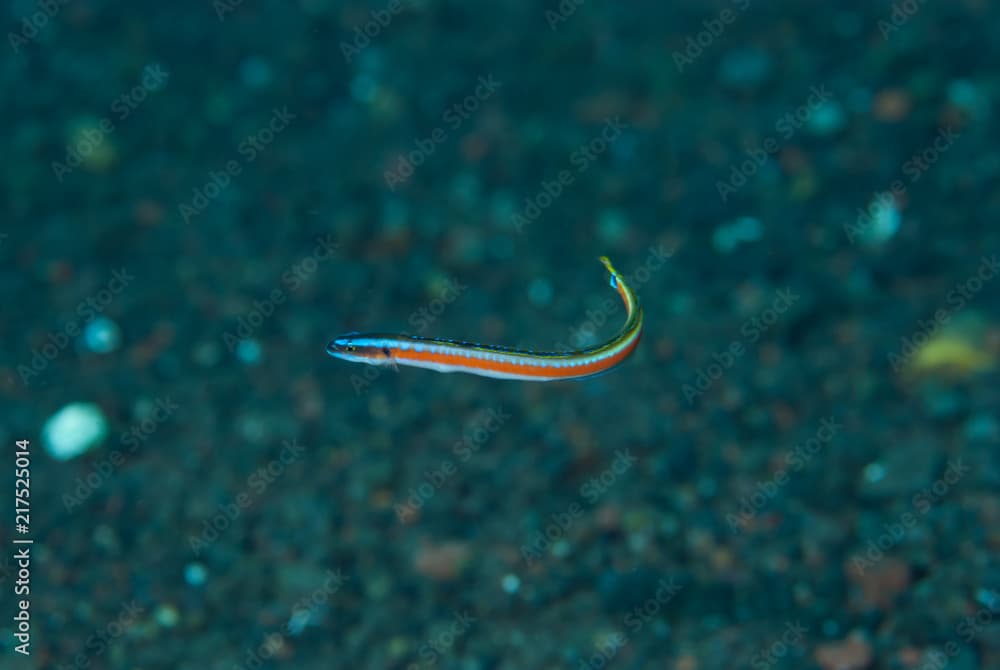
[90, 138]
[102, 335]
[982, 427]
[989, 599]
[969, 98]
[881, 581]
[883, 222]
[441, 562]
[827, 119]
[940, 403]
[299, 621]
[510, 583]
[166, 615]
[899, 472]
[728, 236]
[891, 105]
[561, 548]
[853, 653]
[105, 537]
[73, 430]
[378, 587]
[195, 574]
[398, 646]
[248, 351]
[686, 662]
[745, 68]
[207, 354]
[874, 473]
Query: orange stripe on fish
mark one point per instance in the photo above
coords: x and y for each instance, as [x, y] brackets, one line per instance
[498, 361]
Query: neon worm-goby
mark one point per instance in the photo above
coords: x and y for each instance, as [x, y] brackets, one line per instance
[501, 362]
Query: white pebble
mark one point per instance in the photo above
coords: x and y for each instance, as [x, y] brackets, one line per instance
[102, 335]
[827, 119]
[195, 574]
[881, 221]
[74, 430]
[299, 620]
[248, 351]
[874, 473]
[511, 583]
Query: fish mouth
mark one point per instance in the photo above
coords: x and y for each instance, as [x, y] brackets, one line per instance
[338, 346]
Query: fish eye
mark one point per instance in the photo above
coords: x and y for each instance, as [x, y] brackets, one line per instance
[351, 347]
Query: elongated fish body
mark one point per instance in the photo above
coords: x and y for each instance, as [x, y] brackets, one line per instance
[499, 362]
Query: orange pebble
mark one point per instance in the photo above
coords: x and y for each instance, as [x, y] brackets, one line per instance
[891, 104]
[441, 562]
